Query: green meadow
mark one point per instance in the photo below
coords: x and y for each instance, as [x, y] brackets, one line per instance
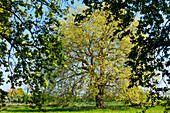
[83, 108]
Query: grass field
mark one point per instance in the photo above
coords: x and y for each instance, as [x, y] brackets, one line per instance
[84, 108]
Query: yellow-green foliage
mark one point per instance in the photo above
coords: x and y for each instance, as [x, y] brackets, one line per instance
[92, 58]
[4, 14]
[133, 96]
[15, 94]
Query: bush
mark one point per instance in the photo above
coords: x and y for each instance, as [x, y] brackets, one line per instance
[133, 96]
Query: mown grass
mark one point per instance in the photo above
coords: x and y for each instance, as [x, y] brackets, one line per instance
[84, 108]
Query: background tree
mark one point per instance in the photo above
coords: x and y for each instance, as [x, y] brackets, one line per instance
[94, 61]
[60, 87]
[16, 95]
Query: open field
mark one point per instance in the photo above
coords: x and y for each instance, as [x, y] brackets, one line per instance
[83, 108]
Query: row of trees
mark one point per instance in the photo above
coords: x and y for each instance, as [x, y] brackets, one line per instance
[95, 45]
[15, 96]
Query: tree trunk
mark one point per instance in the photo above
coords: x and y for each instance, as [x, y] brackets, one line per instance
[99, 97]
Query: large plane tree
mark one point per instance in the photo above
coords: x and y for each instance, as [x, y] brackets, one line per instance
[94, 62]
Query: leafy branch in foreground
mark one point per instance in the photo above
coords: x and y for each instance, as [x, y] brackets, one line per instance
[28, 44]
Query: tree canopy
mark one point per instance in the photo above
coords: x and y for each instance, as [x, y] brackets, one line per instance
[94, 62]
[16, 95]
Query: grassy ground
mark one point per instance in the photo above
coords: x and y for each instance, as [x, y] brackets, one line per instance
[84, 108]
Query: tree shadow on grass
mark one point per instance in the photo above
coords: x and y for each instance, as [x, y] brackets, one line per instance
[70, 109]
[85, 108]
[118, 107]
[50, 109]
[19, 109]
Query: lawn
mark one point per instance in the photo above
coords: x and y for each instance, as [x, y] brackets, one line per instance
[83, 108]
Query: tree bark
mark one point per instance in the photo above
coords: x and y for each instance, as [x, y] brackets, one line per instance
[99, 97]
